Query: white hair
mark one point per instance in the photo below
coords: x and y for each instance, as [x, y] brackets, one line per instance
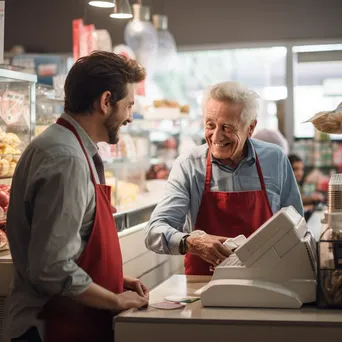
[236, 93]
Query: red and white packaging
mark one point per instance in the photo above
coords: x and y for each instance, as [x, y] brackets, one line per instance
[84, 39]
[90, 33]
[2, 30]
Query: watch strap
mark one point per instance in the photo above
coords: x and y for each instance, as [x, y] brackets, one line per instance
[182, 245]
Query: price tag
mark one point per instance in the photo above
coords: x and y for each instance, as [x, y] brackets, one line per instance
[12, 106]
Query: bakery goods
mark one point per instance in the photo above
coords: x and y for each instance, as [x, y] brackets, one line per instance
[4, 245]
[9, 153]
[8, 149]
[4, 167]
[13, 165]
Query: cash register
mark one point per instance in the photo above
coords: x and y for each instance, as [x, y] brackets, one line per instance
[274, 267]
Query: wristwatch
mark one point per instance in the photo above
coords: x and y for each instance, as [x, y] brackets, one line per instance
[182, 246]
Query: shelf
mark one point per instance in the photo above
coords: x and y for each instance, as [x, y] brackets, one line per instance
[13, 76]
[157, 119]
[125, 160]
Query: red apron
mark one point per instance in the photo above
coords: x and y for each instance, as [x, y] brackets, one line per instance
[66, 320]
[228, 214]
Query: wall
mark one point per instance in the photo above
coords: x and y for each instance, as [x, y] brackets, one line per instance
[45, 25]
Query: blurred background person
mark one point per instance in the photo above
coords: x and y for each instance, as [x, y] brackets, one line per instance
[273, 137]
[298, 170]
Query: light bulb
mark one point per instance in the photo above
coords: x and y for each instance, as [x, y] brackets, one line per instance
[102, 4]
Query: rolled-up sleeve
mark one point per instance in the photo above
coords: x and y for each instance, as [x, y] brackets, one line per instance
[290, 194]
[165, 228]
[57, 206]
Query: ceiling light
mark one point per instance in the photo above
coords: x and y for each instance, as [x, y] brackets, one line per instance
[122, 10]
[102, 3]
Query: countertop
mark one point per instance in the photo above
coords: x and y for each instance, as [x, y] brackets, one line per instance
[187, 285]
[199, 324]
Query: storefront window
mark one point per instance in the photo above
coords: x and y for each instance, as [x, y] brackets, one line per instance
[262, 69]
[318, 84]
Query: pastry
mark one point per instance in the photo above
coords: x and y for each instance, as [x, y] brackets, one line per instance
[4, 246]
[12, 139]
[13, 165]
[165, 104]
[185, 109]
[8, 149]
[8, 157]
[15, 158]
[4, 167]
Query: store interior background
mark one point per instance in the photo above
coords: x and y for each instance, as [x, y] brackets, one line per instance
[290, 52]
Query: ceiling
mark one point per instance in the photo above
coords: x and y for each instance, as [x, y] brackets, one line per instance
[45, 25]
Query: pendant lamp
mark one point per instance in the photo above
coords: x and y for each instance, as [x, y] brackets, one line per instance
[141, 36]
[102, 3]
[122, 10]
[167, 51]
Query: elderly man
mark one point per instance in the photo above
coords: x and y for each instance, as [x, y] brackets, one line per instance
[227, 187]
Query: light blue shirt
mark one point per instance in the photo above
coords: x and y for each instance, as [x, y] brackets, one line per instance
[176, 214]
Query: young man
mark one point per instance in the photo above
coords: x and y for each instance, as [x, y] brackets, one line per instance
[227, 187]
[68, 277]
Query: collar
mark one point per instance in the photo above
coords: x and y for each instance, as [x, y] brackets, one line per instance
[89, 145]
[250, 158]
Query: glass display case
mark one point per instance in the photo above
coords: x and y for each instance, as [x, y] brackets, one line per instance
[49, 107]
[17, 121]
[17, 116]
[126, 165]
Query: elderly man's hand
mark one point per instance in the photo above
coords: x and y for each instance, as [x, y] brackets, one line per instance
[209, 247]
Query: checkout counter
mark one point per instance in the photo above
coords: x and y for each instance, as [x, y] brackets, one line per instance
[290, 315]
[194, 321]
[199, 324]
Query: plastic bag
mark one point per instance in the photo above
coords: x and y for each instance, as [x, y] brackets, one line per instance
[328, 122]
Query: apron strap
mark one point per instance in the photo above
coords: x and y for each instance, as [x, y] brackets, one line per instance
[66, 124]
[260, 174]
[262, 182]
[208, 172]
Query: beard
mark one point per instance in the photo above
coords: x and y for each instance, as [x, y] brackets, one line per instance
[113, 136]
[112, 128]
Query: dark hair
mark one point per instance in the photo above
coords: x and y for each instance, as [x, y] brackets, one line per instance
[92, 75]
[293, 158]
